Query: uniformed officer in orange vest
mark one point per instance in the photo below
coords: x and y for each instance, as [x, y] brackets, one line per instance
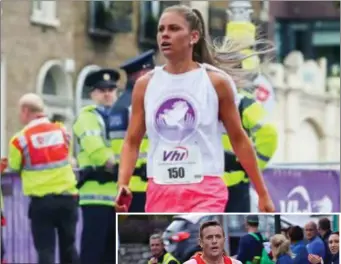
[40, 154]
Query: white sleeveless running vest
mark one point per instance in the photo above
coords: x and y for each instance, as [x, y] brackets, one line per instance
[181, 115]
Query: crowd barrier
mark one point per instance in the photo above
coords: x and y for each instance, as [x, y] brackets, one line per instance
[293, 190]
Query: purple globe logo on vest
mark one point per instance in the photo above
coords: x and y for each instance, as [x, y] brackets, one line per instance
[175, 119]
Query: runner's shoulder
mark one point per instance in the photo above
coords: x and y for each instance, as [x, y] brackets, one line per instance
[219, 79]
[142, 84]
[191, 261]
[145, 78]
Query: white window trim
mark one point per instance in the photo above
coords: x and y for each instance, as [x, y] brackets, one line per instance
[79, 101]
[3, 108]
[47, 15]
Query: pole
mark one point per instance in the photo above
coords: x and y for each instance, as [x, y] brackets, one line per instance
[336, 223]
[278, 224]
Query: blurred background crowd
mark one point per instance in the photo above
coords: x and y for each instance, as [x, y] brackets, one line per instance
[179, 235]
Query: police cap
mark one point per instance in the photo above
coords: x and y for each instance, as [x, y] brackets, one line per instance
[102, 79]
[141, 62]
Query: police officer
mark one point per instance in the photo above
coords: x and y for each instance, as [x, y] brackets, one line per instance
[135, 68]
[96, 129]
[39, 153]
[159, 254]
[264, 137]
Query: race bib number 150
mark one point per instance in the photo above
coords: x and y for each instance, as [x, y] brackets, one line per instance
[177, 165]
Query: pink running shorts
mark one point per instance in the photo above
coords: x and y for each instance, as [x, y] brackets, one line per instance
[210, 195]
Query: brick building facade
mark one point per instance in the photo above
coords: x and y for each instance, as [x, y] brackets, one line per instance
[45, 47]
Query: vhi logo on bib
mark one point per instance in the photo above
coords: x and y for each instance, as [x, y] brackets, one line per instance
[175, 161]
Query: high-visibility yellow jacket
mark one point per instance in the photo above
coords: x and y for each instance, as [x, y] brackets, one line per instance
[261, 131]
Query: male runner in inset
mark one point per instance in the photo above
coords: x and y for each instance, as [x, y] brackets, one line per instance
[212, 242]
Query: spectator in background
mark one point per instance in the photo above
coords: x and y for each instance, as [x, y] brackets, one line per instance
[334, 246]
[315, 244]
[280, 248]
[250, 247]
[324, 229]
[159, 254]
[41, 151]
[298, 246]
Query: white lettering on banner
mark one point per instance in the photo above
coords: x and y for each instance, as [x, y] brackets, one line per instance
[324, 205]
[293, 205]
[47, 139]
[177, 164]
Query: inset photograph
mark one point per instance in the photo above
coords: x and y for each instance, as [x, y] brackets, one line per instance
[230, 239]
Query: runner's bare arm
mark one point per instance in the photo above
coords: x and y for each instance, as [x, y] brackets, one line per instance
[135, 133]
[241, 144]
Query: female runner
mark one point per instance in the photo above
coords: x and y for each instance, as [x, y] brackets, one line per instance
[181, 106]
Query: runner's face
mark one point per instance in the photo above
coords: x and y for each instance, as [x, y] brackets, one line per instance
[333, 242]
[174, 35]
[212, 241]
[156, 247]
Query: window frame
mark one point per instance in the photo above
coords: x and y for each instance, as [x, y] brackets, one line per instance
[144, 13]
[45, 14]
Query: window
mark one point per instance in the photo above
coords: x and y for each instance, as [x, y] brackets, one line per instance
[108, 17]
[50, 86]
[310, 149]
[314, 38]
[55, 87]
[45, 13]
[150, 12]
[217, 22]
[3, 109]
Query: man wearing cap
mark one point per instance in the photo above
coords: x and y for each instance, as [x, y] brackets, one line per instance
[251, 245]
[95, 129]
[134, 69]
